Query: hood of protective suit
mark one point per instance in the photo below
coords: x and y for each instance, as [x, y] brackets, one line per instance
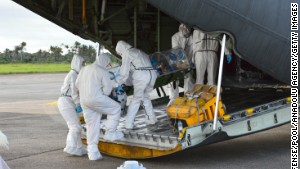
[102, 60]
[122, 47]
[76, 63]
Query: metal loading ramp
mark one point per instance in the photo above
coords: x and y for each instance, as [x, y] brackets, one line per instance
[166, 138]
[143, 142]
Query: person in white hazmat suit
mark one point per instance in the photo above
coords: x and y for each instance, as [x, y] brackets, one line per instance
[69, 105]
[3, 144]
[94, 87]
[205, 48]
[136, 65]
[182, 39]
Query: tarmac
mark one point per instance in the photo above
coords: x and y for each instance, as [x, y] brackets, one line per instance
[36, 132]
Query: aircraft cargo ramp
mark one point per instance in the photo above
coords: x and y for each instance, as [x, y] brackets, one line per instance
[167, 137]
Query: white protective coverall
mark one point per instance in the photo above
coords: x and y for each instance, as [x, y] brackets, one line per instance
[3, 144]
[66, 105]
[136, 65]
[3, 164]
[205, 48]
[3, 141]
[183, 40]
[94, 87]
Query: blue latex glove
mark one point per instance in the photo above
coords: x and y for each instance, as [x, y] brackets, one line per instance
[154, 63]
[229, 58]
[172, 56]
[78, 108]
[120, 88]
[112, 75]
[181, 54]
[117, 73]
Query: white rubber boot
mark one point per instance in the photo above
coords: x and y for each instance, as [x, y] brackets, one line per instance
[150, 119]
[75, 151]
[95, 156]
[113, 135]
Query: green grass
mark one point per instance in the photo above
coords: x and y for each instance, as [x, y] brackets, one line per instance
[33, 68]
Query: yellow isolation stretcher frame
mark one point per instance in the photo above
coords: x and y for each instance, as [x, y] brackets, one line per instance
[132, 152]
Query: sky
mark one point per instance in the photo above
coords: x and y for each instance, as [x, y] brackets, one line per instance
[18, 24]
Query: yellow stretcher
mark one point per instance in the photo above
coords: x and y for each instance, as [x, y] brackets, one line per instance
[131, 151]
[197, 106]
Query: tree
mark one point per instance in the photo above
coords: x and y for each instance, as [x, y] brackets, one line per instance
[77, 44]
[88, 52]
[19, 51]
[55, 52]
[75, 47]
[23, 44]
[16, 52]
[22, 48]
[7, 53]
[91, 53]
[41, 56]
[5, 57]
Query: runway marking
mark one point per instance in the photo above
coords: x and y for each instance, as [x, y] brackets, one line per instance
[52, 103]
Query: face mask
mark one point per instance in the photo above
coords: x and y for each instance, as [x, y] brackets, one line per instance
[186, 33]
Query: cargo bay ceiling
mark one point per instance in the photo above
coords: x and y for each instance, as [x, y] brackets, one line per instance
[107, 21]
[259, 29]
